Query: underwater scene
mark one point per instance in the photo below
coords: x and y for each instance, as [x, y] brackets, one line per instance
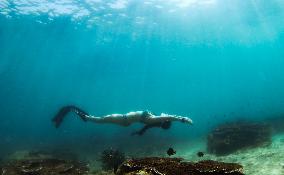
[141, 87]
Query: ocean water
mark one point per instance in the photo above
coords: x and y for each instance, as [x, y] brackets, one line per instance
[211, 60]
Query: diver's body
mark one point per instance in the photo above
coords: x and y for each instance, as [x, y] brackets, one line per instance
[150, 120]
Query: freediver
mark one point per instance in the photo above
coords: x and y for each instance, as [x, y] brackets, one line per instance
[145, 117]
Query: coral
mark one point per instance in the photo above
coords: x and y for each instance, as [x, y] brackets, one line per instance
[228, 138]
[111, 159]
[44, 167]
[175, 166]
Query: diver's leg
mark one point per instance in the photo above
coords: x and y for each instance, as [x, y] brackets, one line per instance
[117, 119]
[64, 111]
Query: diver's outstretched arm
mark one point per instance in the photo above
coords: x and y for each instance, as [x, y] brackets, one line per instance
[64, 111]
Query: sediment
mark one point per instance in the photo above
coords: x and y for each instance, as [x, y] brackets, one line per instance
[44, 167]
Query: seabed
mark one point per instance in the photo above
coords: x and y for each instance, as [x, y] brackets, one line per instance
[266, 160]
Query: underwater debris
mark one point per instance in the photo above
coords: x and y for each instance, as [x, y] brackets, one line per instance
[111, 159]
[171, 151]
[44, 167]
[228, 138]
[170, 166]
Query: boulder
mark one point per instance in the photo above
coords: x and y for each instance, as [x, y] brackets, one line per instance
[175, 166]
[231, 137]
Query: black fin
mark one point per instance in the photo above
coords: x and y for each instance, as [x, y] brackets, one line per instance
[64, 111]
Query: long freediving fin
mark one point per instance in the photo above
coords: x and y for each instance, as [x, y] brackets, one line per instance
[61, 114]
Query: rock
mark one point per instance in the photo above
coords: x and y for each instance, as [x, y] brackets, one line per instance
[231, 137]
[44, 167]
[175, 166]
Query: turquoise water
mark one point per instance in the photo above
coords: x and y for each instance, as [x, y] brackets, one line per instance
[211, 60]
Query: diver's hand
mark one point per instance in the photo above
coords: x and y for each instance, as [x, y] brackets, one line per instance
[186, 120]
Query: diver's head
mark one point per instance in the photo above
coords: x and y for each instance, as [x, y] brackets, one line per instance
[166, 124]
[186, 120]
